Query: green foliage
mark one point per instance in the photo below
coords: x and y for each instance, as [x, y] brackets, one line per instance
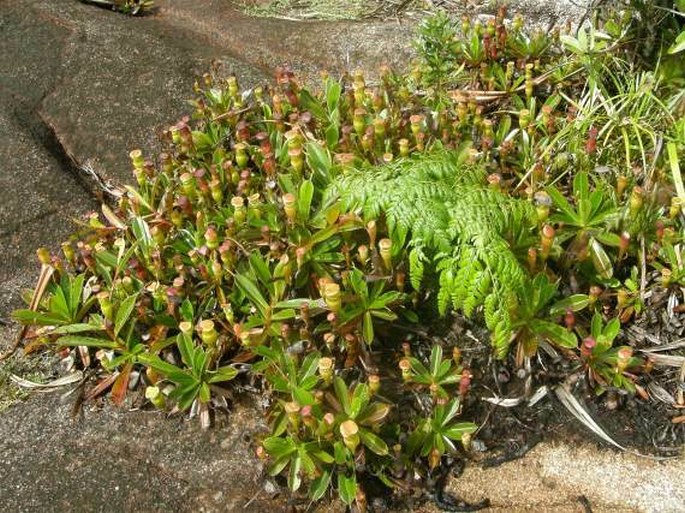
[587, 223]
[607, 366]
[283, 232]
[435, 435]
[437, 45]
[66, 304]
[440, 375]
[131, 7]
[530, 317]
[455, 221]
[672, 265]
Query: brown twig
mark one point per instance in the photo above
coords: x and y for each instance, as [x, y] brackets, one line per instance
[43, 280]
[482, 97]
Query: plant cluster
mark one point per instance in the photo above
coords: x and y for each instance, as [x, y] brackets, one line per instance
[287, 237]
[131, 7]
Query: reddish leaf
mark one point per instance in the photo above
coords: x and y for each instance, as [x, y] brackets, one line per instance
[102, 386]
[121, 385]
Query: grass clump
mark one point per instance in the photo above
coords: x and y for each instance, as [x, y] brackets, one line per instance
[130, 7]
[289, 238]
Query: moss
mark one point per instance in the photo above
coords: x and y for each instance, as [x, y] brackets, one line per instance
[324, 9]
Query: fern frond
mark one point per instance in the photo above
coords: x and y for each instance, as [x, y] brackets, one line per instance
[453, 218]
[416, 266]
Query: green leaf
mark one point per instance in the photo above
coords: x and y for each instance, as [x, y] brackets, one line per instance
[342, 394]
[332, 134]
[312, 105]
[560, 202]
[323, 456]
[277, 466]
[385, 299]
[284, 315]
[294, 478]
[304, 397]
[612, 328]
[141, 231]
[571, 43]
[601, 260]
[581, 186]
[679, 44]
[75, 293]
[260, 268]
[76, 340]
[124, 312]
[575, 302]
[347, 488]
[225, 373]
[386, 315]
[373, 414]
[418, 367]
[304, 199]
[359, 285]
[319, 486]
[447, 413]
[435, 359]
[308, 465]
[26, 316]
[187, 310]
[175, 374]
[672, 151]
[608, 239]
[360, 398]
[333, 92]
[59, 303]
[596, 325]
[319, 159]
[340, 453]
[76, 328]
[186, 348]
[249, 288]
[373, 442]
[367, 328]
[299, 303]
[456, 431]
[309, 365]
[204, 393]
[554, 333]
[279, 447]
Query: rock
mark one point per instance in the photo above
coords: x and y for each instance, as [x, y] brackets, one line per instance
[115, 460]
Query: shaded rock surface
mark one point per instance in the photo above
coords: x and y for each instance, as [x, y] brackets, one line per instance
[81, 85]
[117, 460]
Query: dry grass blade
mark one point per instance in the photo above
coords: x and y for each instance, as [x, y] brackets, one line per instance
[46, 272]
[660, 393]
[59, 382]
[505, 402]
[680, 395]
[510, 402]
[665, 347]
[482, 97]
[113, 218]
[576, 409]
[664, 360]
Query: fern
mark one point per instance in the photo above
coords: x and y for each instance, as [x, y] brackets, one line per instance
[416, 265]
[454, 220]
